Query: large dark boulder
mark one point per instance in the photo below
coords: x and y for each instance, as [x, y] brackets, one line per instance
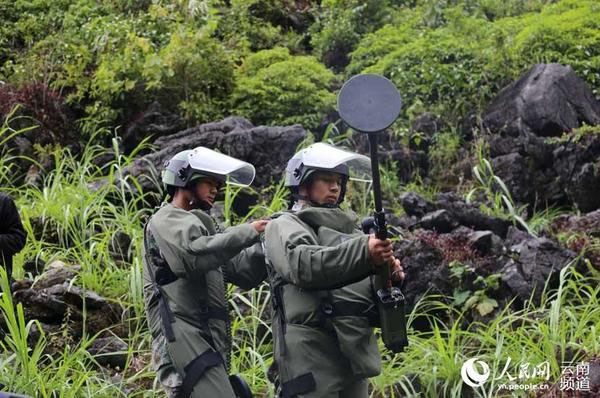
[109, 351]
[533, 262]
[547, 101]
[64, 309]
[577, 166]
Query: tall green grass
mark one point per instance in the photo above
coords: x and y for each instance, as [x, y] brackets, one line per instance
[562, 330]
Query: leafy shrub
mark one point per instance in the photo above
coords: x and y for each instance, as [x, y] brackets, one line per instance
[274, 87]
[253, 25]
[111, 66]
[340, 26]
[441, 67]
[460, 65]
[567, 32]
[43, 106]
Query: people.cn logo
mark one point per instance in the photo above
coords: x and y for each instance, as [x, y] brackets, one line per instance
[471, 375]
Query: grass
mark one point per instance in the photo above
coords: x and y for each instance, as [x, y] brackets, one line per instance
[68, 220]
[566, 322]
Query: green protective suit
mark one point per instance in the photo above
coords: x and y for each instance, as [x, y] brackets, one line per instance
[320, 271]
[186, 263]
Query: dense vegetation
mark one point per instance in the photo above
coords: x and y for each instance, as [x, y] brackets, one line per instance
[84, 69]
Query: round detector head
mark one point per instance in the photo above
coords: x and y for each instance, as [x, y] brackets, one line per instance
[369, 103]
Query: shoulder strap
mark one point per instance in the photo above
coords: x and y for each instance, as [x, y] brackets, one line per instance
[165, 313]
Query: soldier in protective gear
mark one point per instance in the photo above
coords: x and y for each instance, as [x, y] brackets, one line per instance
[319, 270]
[187, 262]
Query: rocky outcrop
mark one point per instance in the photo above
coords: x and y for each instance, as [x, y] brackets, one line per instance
[454, 250]
[548, 101]
[64, 309]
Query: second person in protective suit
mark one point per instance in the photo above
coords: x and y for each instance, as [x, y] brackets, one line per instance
[320, 268]
[187, 263]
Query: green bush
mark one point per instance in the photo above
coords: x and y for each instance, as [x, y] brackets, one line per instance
[567, 32]
[274, 87]
[460, 65]
[340, 26]
[252, 25]
[111, 66]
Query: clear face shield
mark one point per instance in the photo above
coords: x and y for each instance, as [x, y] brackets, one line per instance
[231, 170]
[326, 157]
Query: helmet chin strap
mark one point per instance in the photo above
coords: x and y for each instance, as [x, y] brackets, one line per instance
[196, 203]
[201, 204]
[307, 198]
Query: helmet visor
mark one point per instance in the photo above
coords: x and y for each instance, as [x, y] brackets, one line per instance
[327, 157]
[231, 170]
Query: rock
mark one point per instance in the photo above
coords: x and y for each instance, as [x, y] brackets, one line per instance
[481, 241]
[527, 179]
[332, 117]
[427, 123]
[588, 223]
[425, 273]
[109, 351]
[391, 150]
[458, 212]
[548, 100]
[579, 173]
[60, 307]
[423, 128]
[40, 305]
[77, 296]
[35, 333]
[533, 261]
[35, 266]
[57, 273]
[154, 121]
[481, 246]
[12, 395]
[21, 284]
[415, 205]
[470, 216]
[403, 222]
[441, 221]
[594, 375]
[119, 247]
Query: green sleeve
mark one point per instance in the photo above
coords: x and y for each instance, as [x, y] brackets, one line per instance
[295, 254]
[190, 250]
[247, 270]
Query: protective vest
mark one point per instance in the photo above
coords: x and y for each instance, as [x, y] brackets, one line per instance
[319, 272]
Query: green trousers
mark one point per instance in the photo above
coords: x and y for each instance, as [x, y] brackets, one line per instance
[310, 350]
[170, 359]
